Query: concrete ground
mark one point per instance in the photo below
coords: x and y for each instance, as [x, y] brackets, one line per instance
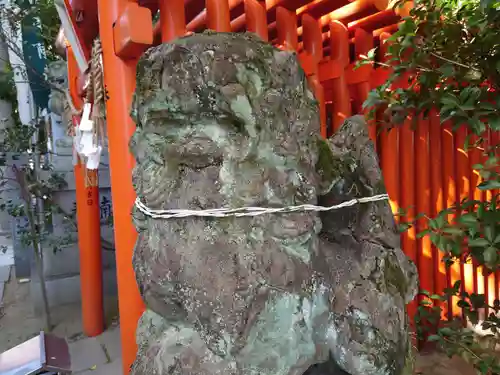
[89, 355]
[18, 323]
[97, 355]
[6, 262]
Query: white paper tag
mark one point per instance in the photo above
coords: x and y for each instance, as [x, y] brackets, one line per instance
[87, 107]
[75, 156]
[94, 159]
[87, 144]
[86, 124]
[76, 140]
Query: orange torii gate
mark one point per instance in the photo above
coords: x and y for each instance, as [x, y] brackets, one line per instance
[329, 36]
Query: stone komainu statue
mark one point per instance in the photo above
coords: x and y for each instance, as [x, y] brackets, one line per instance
[226, 120]
[57, 76]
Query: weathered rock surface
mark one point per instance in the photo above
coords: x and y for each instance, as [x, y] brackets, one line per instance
[225, 120]
[57, 75]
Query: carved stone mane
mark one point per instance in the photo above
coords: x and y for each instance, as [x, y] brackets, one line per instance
[226, 120]
[57, 75]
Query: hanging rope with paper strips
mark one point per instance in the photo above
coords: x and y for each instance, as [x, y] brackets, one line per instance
[89, 134]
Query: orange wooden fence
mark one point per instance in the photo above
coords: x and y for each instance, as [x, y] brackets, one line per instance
[425, 169]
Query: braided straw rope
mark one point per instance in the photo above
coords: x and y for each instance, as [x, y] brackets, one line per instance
[98, 81]
[95, 94]
[249, 211]
[69, 111]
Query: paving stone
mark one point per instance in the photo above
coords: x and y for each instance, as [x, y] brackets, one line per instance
[112, 342]
[2, 288]
[113, 368]
[4, 273]
[7, 257]
[86, 353]
[5, 240]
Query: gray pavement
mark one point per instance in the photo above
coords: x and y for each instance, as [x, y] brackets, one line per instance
[6, 263]
[97, 355]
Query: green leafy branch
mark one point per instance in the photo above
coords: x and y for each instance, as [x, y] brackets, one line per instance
[445, 57]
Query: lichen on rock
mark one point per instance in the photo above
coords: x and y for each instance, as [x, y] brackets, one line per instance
[226, 120]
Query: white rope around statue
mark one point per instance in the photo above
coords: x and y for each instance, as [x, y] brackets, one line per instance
[249, 211]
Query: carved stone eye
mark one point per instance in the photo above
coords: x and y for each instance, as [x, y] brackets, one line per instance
[194, 152]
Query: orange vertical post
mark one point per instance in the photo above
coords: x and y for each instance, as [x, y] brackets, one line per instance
[495, 141]
[256, 18]
[89, 243]
[491, 281]
[172, 19]
[488, 150]
[218, 18]
[389, 151]
[119, 77]
[313, 43]
[448, 152]
[389, 160]
[339, 53]
[463, 190]
[286, 23]
[389, 145]
[475, 157]
[437, 197]
[363, 43]
[73, 78]
[422, 169]
[89, 230]
[407, 181]
[313, 46]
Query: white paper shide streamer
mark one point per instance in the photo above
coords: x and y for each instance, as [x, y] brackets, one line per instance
[86, 142]
[250, 211]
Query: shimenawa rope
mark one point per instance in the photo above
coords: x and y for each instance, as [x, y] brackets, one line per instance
[95, 95]
[249, 211]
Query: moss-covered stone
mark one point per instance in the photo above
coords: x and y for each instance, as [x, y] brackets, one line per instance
[409, 368]
[394, 276]
[226, 120]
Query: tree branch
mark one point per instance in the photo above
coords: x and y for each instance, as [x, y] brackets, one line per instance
[453, 62]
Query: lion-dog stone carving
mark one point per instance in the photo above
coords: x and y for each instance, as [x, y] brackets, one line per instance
[57, 75]
[226, 120]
